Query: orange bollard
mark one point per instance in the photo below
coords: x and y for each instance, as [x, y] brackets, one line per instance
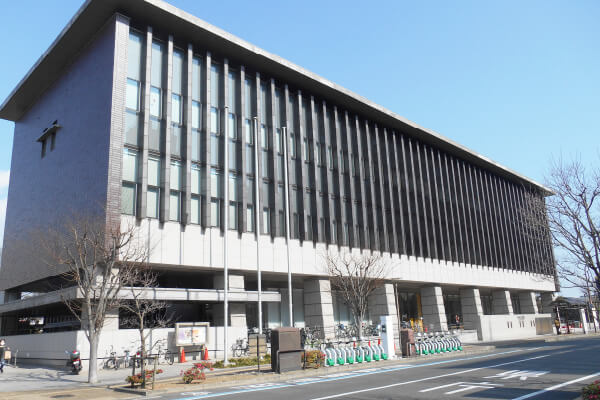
[182, 356]
[205, 355]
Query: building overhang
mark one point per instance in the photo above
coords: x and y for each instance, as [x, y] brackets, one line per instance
[166, 18]
[159, 294]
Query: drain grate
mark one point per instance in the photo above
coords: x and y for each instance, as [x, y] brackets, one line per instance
[62, 396]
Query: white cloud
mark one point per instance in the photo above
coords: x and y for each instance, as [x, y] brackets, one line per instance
[4, 176]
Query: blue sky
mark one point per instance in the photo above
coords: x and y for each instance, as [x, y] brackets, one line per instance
[516, 81]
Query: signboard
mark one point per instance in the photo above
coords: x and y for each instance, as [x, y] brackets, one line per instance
[191, 333]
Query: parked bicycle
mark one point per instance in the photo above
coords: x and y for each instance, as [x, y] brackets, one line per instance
[241, 348]
[112, 362]
[311, 337]
[164, 355]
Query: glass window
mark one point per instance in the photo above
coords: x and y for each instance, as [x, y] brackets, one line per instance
[156, 72]
[196, 179]
[233, 187]
[154, 142]
[153, 171]
[248, 97]
[263, 102]
[214, 120]
[232, 98]
[249, 218]
[215, 154]
[134, 56]
[155, 102]
[175, 180]
[249, 131]
[174, 205]
[232, 155]
[152, 202]
[132, 95]
[195, 145]
[233, 216]
[196, 78]
[215, 213]
[278, 140]
[130, 165]
[232, 126]
[266, 221]
[195, 210]
[196, 115]
[128, 198]
[250, 159]
[178, 58]
[216, 186]
[292, 145]
[265, 163]
[176, 132]
[176, 109]
[215, 85]
[132, 127]
[264, 138]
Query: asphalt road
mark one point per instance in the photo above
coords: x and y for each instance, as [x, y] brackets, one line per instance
[537, 370]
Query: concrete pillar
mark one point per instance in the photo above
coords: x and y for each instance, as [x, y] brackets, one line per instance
[547, 299]
[501, 302]
[383, 302]
[528, 303]
[318, 305]
[470, 303]
[432, 307]
[237, 311]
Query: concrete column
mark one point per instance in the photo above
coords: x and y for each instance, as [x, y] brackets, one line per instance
[382, 302]
[528, 303]
[237, 311]
[432, 307]
[501, 303]
[318, 305]
[470, 302]
[547, 299]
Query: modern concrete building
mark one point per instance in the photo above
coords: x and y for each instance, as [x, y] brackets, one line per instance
[155, 116]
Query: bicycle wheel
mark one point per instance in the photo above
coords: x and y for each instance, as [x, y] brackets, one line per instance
[169, 357]
[238, 351]
[109, 364]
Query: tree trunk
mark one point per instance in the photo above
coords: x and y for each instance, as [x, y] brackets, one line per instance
[143, 355]
[93, 363]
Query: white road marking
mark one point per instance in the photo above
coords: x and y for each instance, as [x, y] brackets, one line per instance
[465, 387]
[428, 378]
[487, 385]
[551, 388]
[515, 373]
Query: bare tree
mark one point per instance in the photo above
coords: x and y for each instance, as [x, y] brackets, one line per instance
[573, 214]
[145, 313]
[98, 260]
[356, 277]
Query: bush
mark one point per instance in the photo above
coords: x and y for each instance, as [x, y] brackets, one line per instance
[196, 373]
[137, 379]
[591, 391]
[243, 362]
[314, 358]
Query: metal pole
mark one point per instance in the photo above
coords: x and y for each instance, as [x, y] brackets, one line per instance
[257, 225]
[287, 220]
[225, 231]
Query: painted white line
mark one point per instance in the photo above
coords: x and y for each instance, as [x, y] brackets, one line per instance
[551, 388]
[427, 379]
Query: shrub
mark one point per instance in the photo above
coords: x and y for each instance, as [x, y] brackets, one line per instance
[314, 358]
[137, 379]
[243, 362]
[591, 391]
[196, 372]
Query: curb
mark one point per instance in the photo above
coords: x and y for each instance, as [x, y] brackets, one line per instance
[253, 376]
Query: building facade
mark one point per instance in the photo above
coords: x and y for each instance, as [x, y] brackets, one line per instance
[135, 107]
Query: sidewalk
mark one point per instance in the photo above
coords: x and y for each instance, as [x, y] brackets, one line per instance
[43, 383]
